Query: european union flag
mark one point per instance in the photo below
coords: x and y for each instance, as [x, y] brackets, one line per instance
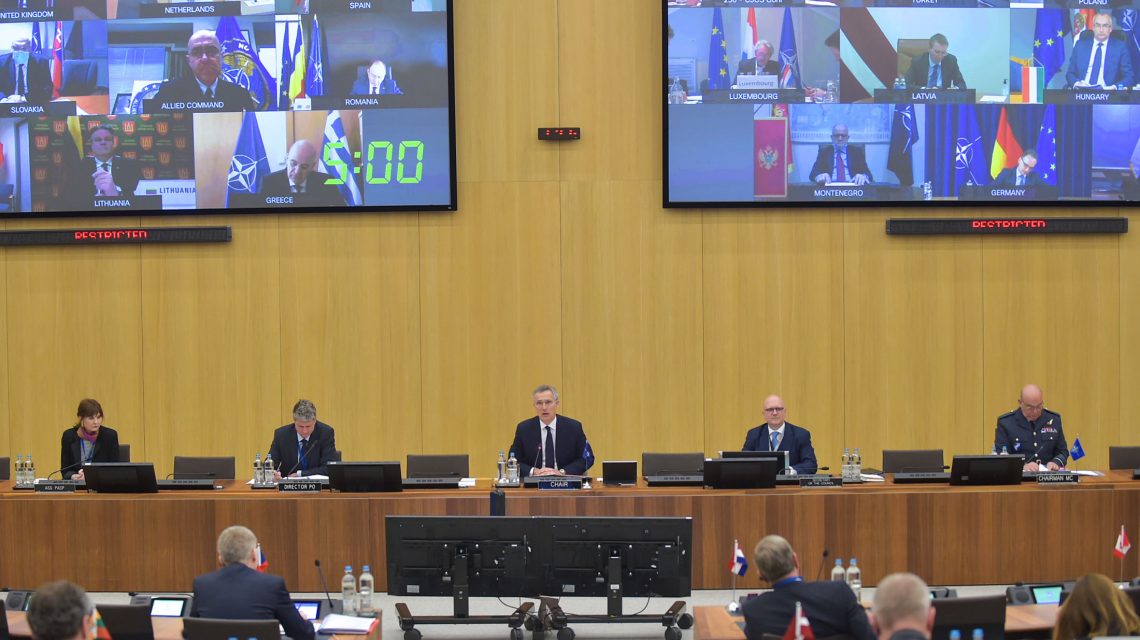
[1077, 452]
[719, 77]
[904, 133]
[315, 85]
[241, 66]
[971, 167]
[1049, 41]
[286, 69]
[1047, 146]
[249, 165]
[789, 59]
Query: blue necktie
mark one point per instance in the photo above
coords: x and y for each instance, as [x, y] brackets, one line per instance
[936, 75]
[775, 439]
[1094, 73]
[548, 458]
[301, 455]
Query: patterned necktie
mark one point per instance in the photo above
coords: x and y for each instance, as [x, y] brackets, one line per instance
[775, 440]
[840, 166]
[548, 450]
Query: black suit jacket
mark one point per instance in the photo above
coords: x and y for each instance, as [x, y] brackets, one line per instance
[830, 607]
[570, 446]
[316, 191]
[825, 161]
[796, 441]
[748, 68]
[321, 451]
[70, 451]
[236, 592]
[39, 88]
[186, 89]
[1008, 178]
[919, 72]
[125, 171]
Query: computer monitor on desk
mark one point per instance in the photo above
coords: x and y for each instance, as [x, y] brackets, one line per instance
[986, 470]
[966, 614]
[742, 473]
[780, 456]
[120, 477]
[363, 477]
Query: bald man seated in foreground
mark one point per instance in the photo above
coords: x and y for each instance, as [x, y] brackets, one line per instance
[902, 609]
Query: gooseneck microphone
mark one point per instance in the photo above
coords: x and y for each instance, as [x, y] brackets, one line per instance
[822, 564]
[305, 452]
[67, 468]
[324, 585]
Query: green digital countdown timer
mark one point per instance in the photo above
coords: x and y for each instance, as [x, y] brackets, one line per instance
[335, 152]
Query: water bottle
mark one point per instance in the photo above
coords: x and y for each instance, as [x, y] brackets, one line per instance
[855, 579]
[676, 92]
[1005, 95]
[19, 470]
[365, 598]
[993, 452]
[1004, 450]
[267, 469]
[845, 468]
[857, 465]
[978, 634]
[838, 574]
[501, 469]
[29, 470]
[348, 591]
[512, 469]
[955, 634]
[258, 470]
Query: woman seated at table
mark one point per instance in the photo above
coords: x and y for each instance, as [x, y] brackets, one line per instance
[87, 441]
[1096, 608]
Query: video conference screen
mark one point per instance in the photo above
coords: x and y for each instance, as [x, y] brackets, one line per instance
[775, 102]
[153, 106]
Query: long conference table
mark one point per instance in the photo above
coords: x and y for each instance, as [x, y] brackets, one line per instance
[948, 535]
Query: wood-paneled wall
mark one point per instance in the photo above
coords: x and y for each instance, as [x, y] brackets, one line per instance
[425, 332]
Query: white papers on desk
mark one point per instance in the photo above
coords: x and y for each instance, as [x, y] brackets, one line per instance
[466, 482]
[1096, 474]
[870, 477]
[992, 99]
[336, 623]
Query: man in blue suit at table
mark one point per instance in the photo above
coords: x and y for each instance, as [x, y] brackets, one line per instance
[238, 591]
[551, 444]
[1023, 175]
[1100, 61]
[777, 434]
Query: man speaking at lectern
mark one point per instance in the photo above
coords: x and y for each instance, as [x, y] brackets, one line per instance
[550, 444]
[305, 447]
[776, 434]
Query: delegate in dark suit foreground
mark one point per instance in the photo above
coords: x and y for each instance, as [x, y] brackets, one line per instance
[96, 444]
[571, 455]
[238, 591]
[316, 440]
[795, 440]
[830, 607]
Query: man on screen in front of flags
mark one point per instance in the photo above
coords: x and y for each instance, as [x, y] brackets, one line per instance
[760, 65]
[937, 69]
[1023, 175]
[830, 607]
[1032, 431]
[1099, 60]
[205, 88]
[840, 162]
[300, 178]
[24, 76]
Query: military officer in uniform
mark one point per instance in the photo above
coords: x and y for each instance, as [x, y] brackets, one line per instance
[1034, 432]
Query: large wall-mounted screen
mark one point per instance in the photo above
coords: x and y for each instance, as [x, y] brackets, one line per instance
[776, 102]
[160, 106]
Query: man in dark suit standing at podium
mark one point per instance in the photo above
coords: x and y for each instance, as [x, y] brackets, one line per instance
[830, 607]
[305, 447]
[937, 69]
[779, 435]
[238, 591]
[551, 444]
[839, 161]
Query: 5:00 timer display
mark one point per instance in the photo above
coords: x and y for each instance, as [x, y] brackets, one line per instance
[411, 154]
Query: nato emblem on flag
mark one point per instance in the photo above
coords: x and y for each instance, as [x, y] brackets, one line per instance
[249, 164]
[315, 79]
[338, 153]
[969, 161]
[588, 455]
[789, 59]
[241, 66]
[1077, 452]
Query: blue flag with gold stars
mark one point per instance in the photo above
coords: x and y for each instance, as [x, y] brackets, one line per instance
[1047, 146]
[1049, 41]
[719, 76]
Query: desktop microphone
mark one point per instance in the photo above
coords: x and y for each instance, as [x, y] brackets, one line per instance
[312, 443]
[324, 585]
[822, 564]
[67, 468]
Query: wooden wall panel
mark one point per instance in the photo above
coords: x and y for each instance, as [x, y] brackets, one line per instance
[491, 317]
[506, 78]
[7, 446]
[912, 323]
[1125, 432]
[1052, 317]
[350, 329]
[631, 308]
[773, 285]
[212, 366]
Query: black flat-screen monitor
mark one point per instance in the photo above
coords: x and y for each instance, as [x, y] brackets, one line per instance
[742, 473]
[781, 456]
[902, 103]
[136, 107]
[619, 472]
[986, 470]
[966, 614]
[120, 477]
[364, 477]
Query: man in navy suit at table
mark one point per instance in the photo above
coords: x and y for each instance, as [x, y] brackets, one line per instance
[777, 434]
[1100, 61]
[304, 448]
[1023, 175]
[551, 444]
[238, 591]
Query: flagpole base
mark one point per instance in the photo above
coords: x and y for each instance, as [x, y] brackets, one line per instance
[733, 608]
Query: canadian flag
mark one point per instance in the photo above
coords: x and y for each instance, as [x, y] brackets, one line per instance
[799, 628]
[1122, 544]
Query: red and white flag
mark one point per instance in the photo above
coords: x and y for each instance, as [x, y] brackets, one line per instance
[1122, 544]
[799, 628]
